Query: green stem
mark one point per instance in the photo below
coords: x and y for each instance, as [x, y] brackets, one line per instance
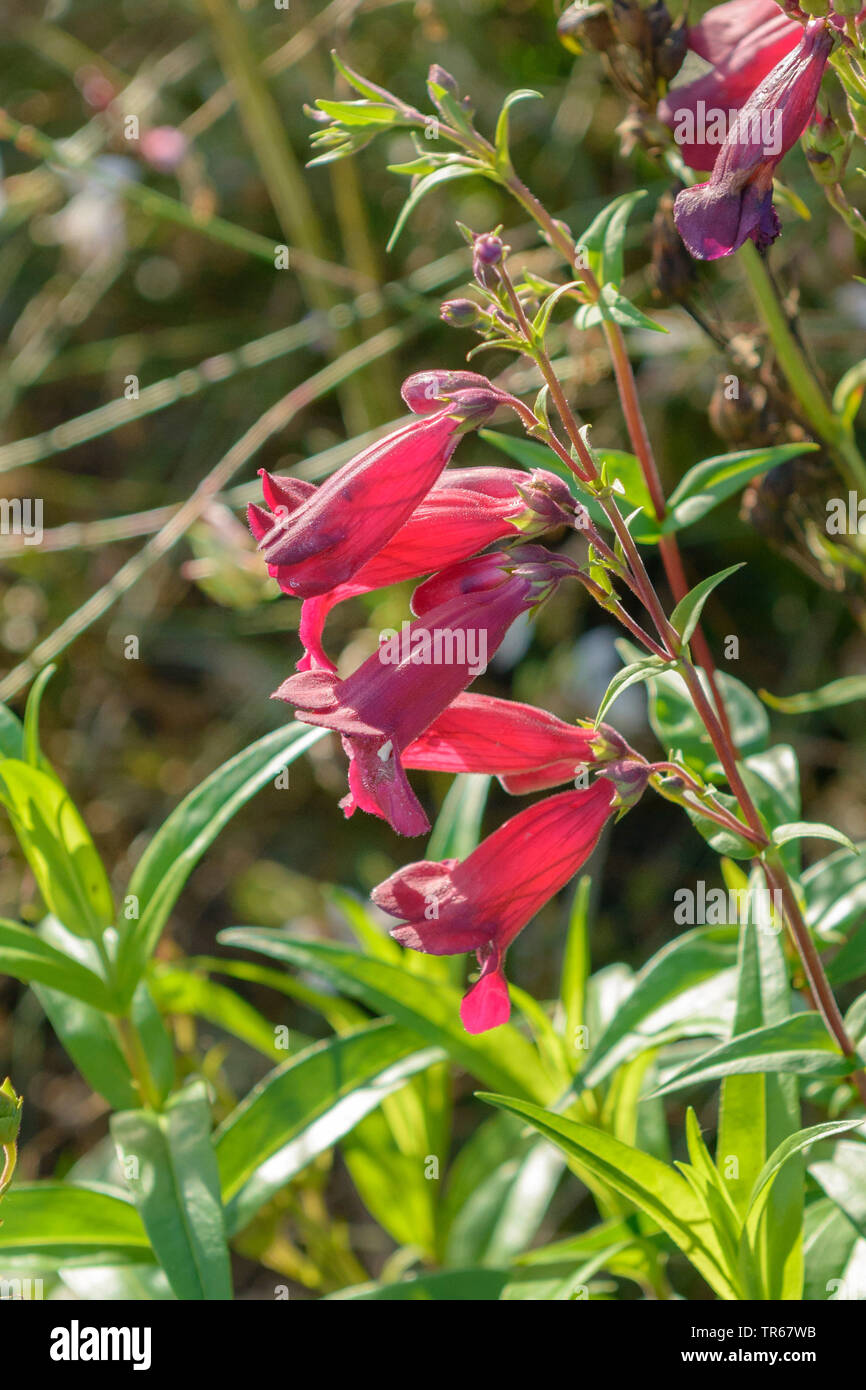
[811, 398]
[132, 1047]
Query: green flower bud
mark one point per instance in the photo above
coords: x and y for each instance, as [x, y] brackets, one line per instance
[10, 1113]
[827, 150]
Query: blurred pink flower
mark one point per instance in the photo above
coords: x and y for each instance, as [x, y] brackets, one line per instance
[163, 147]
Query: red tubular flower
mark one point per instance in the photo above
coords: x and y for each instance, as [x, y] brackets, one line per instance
[744, 40]
[464, 512]
[462, 616]
[322, 537]
[483, 902]
[528, 749]
[716, 217]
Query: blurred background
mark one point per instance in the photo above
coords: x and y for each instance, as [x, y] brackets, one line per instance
[146, 328]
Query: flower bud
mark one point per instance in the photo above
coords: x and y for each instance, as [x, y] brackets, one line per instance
[10, 1113]
[631, 23]
[459, 313]
[487, 252]
[659, 21]
[815, 8]
[426, 392]
[585, 26]
[827, 150]
[440, 78]
[670, 54]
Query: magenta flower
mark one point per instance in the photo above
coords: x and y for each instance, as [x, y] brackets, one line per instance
[462, 616]
[528, 749]
[464, 512]
[320, 538]
[482, 903]
[716, 217]
[744, 40]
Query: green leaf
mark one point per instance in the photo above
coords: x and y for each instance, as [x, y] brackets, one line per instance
[840, 692]
[305, 1106]
[604, 238]
[687, 613]
[613, 305]
[843, 1178]
[794, 1144]
[756, 1113]
[54, 1223]
[834, 1254]
[11, 735]
[431, 1008]
[177, 990]
[800, 1045]
[175, 1185]
[835, 890]
[447, 174]
[359, 113]
[513, 1181]
[711, 482]
[576, 968]
[652, 1186]
[33, 753]
[58, 848]
[25, 956]
[683, 987]
[637, 671]
[501, 139]
[178, 845]
[849, 392]
[810, 830]
[458, 825]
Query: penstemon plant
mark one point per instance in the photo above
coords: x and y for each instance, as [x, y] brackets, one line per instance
[744, 1002]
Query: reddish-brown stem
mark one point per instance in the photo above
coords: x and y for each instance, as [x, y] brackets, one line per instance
[819, 986]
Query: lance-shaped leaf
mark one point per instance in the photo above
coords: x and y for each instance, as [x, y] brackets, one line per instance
[171, 1169]
[58, 848]
[25, 956]
[49, 1224]
[800, 1045]
[305, 1106]
[687, 613]
[651, 1185]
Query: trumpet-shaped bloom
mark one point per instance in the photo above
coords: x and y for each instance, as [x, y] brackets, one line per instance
[744, 40]
[321, 537]
[716, 217]
[528, 749]
[462, 616]
[481, 903]
[465, 511]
